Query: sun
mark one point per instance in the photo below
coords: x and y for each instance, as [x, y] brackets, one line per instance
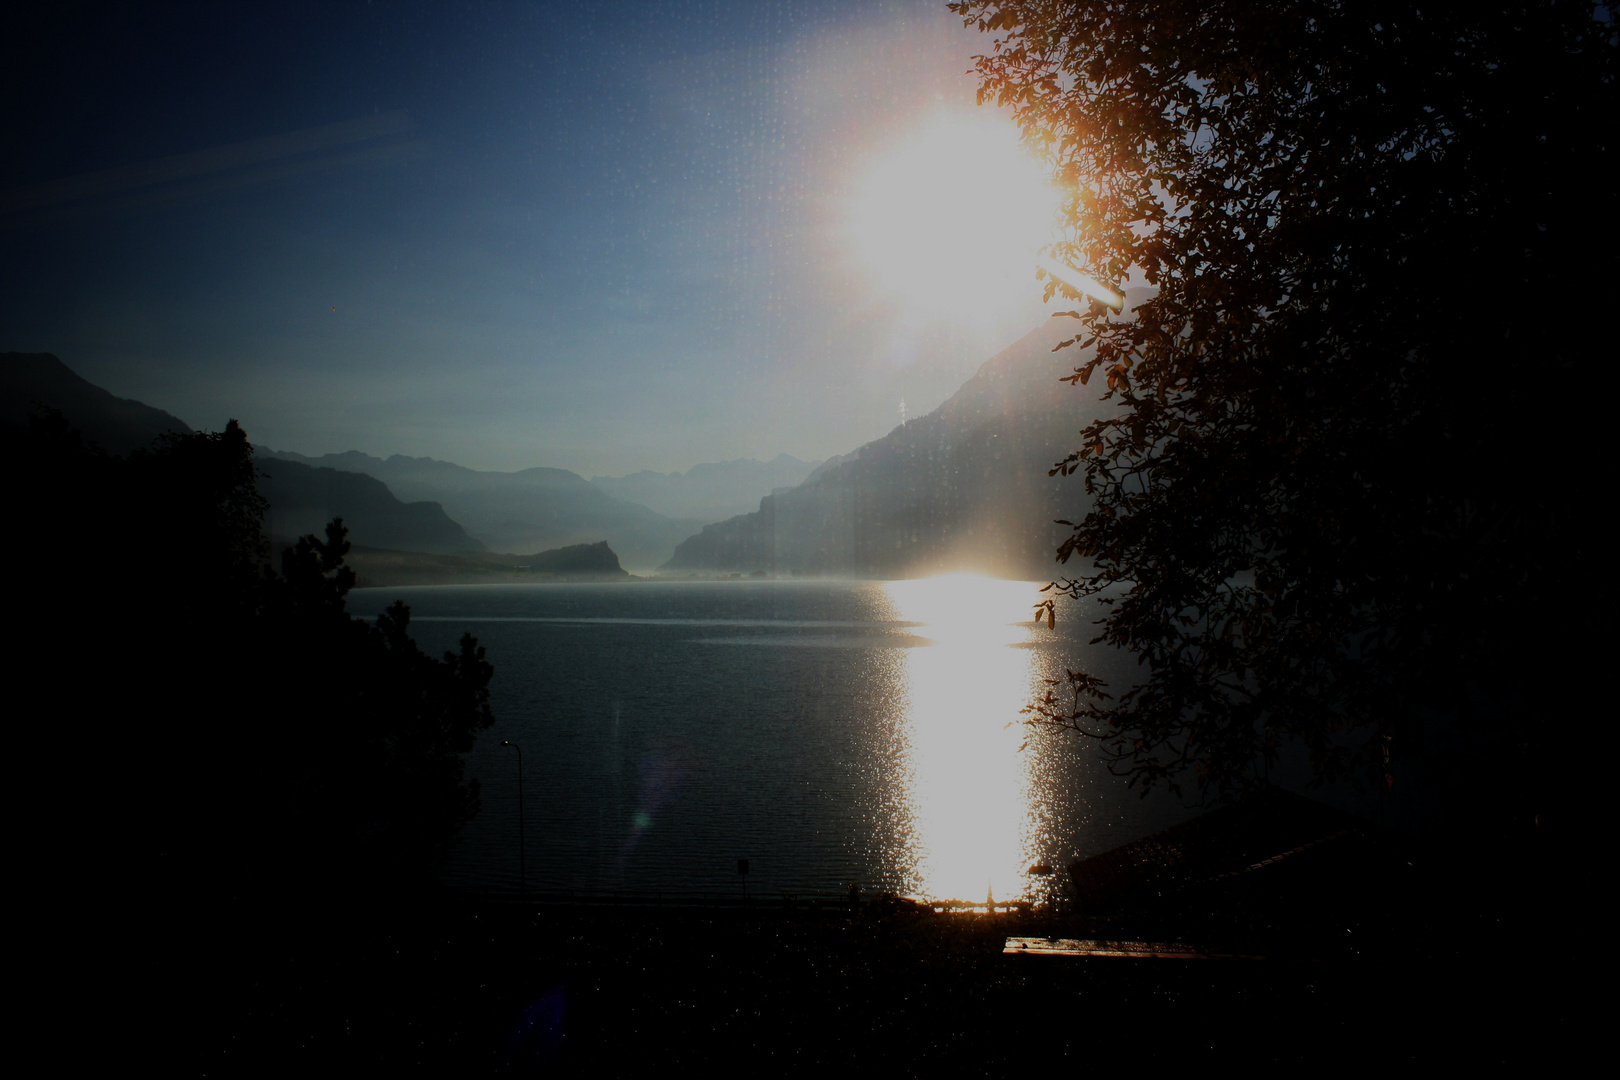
[951, 218]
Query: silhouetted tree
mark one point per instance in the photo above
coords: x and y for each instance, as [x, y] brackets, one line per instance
[224, 723]
[1347, 496]
[384, 791]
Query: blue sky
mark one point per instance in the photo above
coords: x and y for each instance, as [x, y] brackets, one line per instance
[600, 237]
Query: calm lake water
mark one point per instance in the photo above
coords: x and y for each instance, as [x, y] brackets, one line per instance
[828, 732]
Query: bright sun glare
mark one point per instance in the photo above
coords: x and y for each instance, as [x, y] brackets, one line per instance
[953, 215]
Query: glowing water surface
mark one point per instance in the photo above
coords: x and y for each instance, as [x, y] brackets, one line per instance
[970, 791]
[829, 732]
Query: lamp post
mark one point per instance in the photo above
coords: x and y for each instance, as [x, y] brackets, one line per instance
[523, 874]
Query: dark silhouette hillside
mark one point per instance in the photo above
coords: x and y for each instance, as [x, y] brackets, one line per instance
[595, 558]
[117, 425]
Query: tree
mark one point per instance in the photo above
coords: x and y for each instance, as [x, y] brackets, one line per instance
[231, 726]
[1346, 496]
[362, 782]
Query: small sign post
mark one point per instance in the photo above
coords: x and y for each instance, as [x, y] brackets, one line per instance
[742, 872]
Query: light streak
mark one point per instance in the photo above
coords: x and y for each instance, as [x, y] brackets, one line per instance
[1084, 283]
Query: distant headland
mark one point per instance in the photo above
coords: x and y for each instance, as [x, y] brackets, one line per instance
[380, 567]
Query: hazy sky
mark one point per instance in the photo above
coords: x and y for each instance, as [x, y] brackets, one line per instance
[603, 236]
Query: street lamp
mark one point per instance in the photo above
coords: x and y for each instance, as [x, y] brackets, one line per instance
[523, 874]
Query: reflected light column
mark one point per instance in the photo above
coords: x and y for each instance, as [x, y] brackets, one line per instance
[970, 786]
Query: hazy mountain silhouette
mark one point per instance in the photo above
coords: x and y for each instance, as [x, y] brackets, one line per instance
[963, 488]
[712, 491]
[303, 499]
[117, 425]
[530, 510]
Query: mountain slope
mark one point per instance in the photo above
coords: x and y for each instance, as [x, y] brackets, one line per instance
[303, 499]
[117, 425]
[963, 488]
[530, 510]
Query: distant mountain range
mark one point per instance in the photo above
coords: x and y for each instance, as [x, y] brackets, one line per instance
[963, 488]
[709, 492]
[420, 504]
[529, 510]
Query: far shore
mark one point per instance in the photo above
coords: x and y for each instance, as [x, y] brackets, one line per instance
[381, 568]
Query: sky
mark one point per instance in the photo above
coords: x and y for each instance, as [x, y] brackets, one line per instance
[601, 237]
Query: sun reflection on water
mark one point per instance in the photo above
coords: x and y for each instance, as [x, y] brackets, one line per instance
[971, 791]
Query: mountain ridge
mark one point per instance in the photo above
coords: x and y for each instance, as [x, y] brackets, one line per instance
[118, 425]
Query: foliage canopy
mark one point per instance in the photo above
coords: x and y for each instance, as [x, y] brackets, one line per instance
[1345, 498]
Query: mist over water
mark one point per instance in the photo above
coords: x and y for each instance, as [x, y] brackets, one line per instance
[828, 732]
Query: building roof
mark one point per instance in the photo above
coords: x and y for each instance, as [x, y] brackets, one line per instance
[1274, 843]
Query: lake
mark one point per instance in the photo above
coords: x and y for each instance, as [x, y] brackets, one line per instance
[828, 732]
